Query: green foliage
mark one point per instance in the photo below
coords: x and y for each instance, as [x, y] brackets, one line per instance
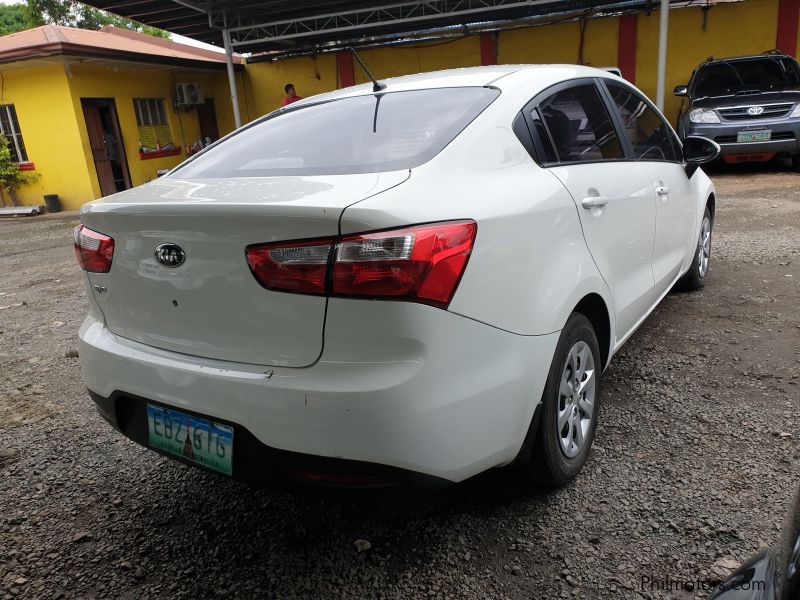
[10, 175]
[75, 14]
[15, 17]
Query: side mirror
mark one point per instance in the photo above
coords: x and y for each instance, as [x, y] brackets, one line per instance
[698, 150]
[681, 90]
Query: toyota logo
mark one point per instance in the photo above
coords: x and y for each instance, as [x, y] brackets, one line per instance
[170, 255]
[755, 110]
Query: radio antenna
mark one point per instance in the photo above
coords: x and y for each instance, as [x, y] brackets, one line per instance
[377, 86]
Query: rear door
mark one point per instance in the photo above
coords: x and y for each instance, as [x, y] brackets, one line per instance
[653, 144]
[576, 137]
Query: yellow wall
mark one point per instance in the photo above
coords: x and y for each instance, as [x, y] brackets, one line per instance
[430, 56]
[41, 98]
[733, 29]
[560, 44]
[48, 104]
[123, 84]
[264, 81]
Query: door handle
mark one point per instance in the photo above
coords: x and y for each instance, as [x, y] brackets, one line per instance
[594, 201]
[662, 190]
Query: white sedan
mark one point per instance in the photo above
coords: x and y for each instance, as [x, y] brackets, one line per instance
[402, 284]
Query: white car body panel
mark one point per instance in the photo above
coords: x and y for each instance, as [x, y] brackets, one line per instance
[189, 309]
[376, 406]
[620, 234]
[447, 393]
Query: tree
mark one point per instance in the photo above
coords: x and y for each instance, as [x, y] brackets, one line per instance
[75, 14]
[10, 175]
[14, 17]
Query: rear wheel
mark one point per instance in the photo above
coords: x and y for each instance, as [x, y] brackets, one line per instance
[695, 277]
[796, 163]
[570, 406]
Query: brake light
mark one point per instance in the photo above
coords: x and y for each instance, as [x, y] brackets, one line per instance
[291, 267]
[93, 250]
[423, 263]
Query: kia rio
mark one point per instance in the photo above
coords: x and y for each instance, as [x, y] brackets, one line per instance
[387, 285]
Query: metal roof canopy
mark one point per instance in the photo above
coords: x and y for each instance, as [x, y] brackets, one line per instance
[282, 28]
[286, 27]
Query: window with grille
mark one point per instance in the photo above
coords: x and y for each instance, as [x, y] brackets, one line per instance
[151, 118]
[9, 126]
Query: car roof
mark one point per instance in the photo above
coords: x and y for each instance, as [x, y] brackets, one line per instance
[464, 77]
[714, 61]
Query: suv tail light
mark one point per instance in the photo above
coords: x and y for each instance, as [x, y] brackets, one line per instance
[423, 263]
[93, 250]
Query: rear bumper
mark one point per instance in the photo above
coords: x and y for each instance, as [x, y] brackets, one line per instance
[406, 387]
[785, 136]
[258, 464]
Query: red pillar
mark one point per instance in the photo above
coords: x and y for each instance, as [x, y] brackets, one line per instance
[626, 47]
[786, 38]
[344, 67]
[488, 48]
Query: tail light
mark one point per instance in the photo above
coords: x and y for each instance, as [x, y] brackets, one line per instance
[93, 250]
[294, 267]
[423, 263]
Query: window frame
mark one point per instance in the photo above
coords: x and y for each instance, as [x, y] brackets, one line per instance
[148, 103]
[15, 136]
[604, 83]
[546, 94]
[610, 106]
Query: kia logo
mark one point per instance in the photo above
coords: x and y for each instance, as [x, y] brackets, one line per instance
[170, 255]
[755, 110]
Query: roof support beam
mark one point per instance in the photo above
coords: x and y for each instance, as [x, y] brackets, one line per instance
[226, 38]
[663, 32]
[372, 17]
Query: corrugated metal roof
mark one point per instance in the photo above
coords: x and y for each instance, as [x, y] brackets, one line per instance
[292, 26]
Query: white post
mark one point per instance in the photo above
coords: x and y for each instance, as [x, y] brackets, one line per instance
[662, 53]
[226, 38]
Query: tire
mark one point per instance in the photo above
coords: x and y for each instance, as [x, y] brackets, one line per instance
[695, 277]
[796, 163]
[558, 456]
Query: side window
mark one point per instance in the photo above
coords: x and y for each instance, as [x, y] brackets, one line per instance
[580, 126]
[650, 136]
[9, 127]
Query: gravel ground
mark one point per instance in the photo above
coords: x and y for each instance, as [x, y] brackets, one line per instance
[694, 465]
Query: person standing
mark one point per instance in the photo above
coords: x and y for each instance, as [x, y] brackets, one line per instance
[291, 95]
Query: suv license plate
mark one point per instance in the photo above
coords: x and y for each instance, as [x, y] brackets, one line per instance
[196, 439]
[763, 135]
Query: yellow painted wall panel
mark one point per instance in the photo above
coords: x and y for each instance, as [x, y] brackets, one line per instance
[733, 29]
[264, 81]
[40, 96]
[420, 58]
[123, 84]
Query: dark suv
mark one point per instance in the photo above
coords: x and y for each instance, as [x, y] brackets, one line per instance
[749, 105]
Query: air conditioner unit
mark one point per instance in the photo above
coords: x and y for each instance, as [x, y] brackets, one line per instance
[188, 94]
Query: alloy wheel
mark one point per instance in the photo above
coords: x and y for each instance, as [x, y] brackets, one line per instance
[704, 247]
[576, 399]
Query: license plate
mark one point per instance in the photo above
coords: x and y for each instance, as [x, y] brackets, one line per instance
[763, 135]
[196, 439]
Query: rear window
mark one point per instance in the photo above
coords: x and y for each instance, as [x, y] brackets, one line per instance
[364, 134]
[753, 74]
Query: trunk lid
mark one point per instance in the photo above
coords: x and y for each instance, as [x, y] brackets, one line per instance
[211, 305]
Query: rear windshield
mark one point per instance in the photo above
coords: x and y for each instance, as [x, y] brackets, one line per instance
[362, 134]
[769, 73]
